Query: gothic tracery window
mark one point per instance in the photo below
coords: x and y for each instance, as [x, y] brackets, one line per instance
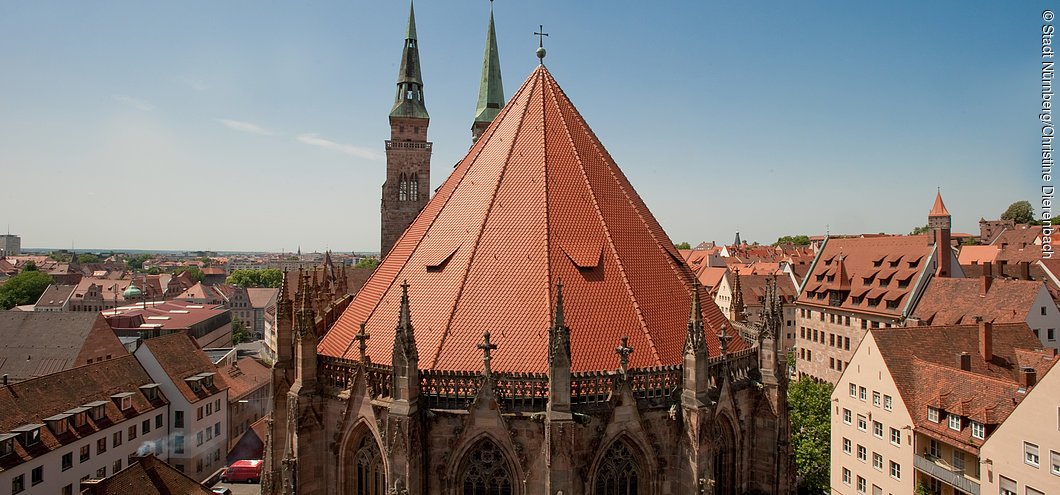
[619, 473]
[368, 476]
[486, 471]
[414, 188]
[403, 188]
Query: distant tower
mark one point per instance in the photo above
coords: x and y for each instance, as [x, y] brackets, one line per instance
[490, 90]
[737, 242]
[939, 225]
[408, 153]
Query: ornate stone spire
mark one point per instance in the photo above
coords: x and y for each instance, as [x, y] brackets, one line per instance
[404, 338]
[559, 362]
[306, 324]
[695, 380]
[409, 99]
[491, 90]
[559, 334]
[362, 343]
[694, 337]
[405, 373]
[736, 310]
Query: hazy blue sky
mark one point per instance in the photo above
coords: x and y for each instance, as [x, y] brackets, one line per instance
[259, 125]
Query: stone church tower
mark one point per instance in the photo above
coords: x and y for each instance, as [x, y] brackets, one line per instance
[408, 153]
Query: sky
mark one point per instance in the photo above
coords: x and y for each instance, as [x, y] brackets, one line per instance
[260, 126]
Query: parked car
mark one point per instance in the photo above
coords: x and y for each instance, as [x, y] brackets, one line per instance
[247, 470]
[222, 491]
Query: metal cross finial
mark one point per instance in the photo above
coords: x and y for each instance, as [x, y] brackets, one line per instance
[486, 346]
[541, 43]
[361, 338]
[623, 351]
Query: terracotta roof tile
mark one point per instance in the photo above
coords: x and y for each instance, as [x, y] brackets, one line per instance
[949, 301]
[536, 200]
[180, 357]
[244, 377]
[148, 476]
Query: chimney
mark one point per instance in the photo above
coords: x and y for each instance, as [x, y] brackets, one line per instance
[988, 278]
[1025, 270]
[1027, 377]
[964, 361]
[986, 339]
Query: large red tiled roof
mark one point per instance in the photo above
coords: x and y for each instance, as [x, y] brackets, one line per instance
[180, 357]
[245, 376]
[897, 260]
[924, 364]
[148, 476]
[536, 200]
[951, 301]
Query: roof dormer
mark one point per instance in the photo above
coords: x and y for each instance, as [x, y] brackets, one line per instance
[97, 410]
[123, 400]
[207, 378]
[59, 423]
[28, 435]
[195, 382]
[150, 391]
[79, 415]
[7, 444]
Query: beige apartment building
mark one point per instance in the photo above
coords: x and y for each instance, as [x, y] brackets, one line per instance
[857, 284]
[1023, 454]
[916, 405]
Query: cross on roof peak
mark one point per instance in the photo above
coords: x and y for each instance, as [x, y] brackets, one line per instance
[623, 350]
[361, 336]
[486, 346]
[540, 33]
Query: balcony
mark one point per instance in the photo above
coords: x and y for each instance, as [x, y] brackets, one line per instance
[946, 473]
[408, 145]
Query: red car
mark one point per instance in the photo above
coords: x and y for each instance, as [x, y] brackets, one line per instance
[248, 471]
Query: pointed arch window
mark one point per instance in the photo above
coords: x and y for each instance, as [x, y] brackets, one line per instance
[486, 472]
[619, 473]
[414, 188]
[368, 475]
[403, 188]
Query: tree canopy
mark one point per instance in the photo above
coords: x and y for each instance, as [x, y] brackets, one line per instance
[137, 262]
[88, 258]
[683, 245]
[809, 403]
[1019, 212]
[369, 263]
[923, 229]
[268, 277]
[240, 333]
[24, 288]
[798, 240]
[30, 266]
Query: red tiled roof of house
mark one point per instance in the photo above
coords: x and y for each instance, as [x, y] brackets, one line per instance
[148, 476]
[180, 357]
[245, 376]
[754, 288]
[37, 343]
[1021, 243]
[977, 255]
[709, 277]
[536, 200]
[899, 260]
[924, 364]
[31, 401]
[953, 301]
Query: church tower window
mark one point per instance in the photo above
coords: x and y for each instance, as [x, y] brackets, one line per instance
[403, 188]
[414, 188]
[619, 473]
[368, 476]
[486, 472]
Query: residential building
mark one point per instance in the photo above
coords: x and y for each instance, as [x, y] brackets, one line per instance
[10, 245]
[198, 397]
[990, 229]
[1023, 455]
[209, 325]
[41, 343]
[751, 300]
[859, 283]
[88, 422]
[952, 301]
[916, 404]
[149, 475]
[55, 298]
[249, 395]
[263, 302]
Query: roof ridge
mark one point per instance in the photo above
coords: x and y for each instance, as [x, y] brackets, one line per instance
[485, 220]
[603, 224]
[924, 362]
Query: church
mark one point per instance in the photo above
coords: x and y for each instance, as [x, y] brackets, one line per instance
[530, 330]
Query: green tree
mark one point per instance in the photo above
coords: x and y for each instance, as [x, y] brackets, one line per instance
[369, 263]
[24, 288]
[798, 240]
[88, 258]
[923, 229]
[1019, 212]
[30, 266]
[240, 333]
[683, 245]
[269, 277]
[137, 262]
[60, 256]
[193, 272]
[809, 402]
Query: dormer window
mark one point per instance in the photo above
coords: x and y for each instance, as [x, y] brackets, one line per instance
[933, 414]
[28, 435]
[150, 391]
[207, 379]
[97, 410]
[195, 382]
[123, 400]
[80, 416]
[7, 443]
[58, 424]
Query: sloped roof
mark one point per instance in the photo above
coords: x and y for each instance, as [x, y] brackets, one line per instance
[180, 357]
[536, 200]
[244, 377]
[951, 301]
[939, 208]
[260, 297]
[977, 255]
[36, 343]
[55, 296]
[149, 476]
[924, 364]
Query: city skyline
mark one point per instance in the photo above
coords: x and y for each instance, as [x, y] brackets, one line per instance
[217, 127]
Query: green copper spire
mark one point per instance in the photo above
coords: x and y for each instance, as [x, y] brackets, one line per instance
[491, 90]
[409, 99]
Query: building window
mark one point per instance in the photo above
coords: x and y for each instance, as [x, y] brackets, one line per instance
[933, 448]
[1032, 491]
[101, 472]
[853, 390]
[846, 343]
[896, 470]
[158, 421]
[1030, 454]
[933, 414]
[1054, 463]
[116, 467]
[846, 416]
[198, 465]
[877, 429]
[888, 403]
[1007, 486]
[876, 398]
[198, 439]
[862, 394]
[37, 475]
[116, 438]
[85, 453]
[68, 489]
[18, 483]
[877, 461]
[101, 445]
[896, 437]
[861, 484]
[978, 431]
[863, 453]
[863, 423]
[132, 432]
[958, 460]
[67, 461]
[1051, 334]
[846, 476]
[209, 409]
[955, 422]
[178, 419]
[198, 415]
[178, 444]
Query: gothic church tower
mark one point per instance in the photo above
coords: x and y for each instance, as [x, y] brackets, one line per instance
[408, 153]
